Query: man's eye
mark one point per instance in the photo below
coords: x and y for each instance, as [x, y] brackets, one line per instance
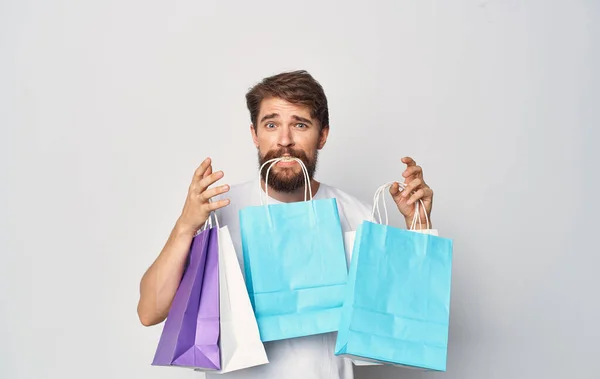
[270, 125]
[300, 125]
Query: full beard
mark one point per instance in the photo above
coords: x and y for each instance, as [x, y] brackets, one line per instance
[285, 179]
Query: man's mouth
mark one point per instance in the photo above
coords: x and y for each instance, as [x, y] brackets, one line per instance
[287, 161]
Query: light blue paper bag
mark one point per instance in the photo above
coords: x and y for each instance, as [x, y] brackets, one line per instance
[295, 266]
[396, 309]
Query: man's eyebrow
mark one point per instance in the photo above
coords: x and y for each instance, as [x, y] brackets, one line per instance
[268, 116]
[302, 119]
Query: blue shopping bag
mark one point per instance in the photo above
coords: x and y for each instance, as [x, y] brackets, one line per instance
[396, 309]
[295, 266]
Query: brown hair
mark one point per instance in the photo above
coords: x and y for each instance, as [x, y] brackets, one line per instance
[297, 87]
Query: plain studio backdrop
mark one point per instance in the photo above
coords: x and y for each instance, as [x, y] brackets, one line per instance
[107, 107]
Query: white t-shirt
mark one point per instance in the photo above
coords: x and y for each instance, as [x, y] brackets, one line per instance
[297, 358]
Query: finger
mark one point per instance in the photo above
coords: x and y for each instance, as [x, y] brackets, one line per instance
[416, 196]
[217, 205]
[395, 189]
[208, 171]
[416, 171]
[198, 174]
[409, 161]
[208, 181]
[411, 187]
[409, 180]
[212, 192]
[422, 194]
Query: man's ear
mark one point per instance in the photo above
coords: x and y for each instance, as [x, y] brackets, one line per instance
[254, 136]
[323, 134]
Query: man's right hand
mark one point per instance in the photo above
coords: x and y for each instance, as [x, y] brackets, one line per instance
[160, 282]
[198, 206]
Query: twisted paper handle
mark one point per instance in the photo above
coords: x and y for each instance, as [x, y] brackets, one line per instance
[307, 185]
[378, 195]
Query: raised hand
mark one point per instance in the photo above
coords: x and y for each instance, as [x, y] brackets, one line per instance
[416, 189]
[198, 207]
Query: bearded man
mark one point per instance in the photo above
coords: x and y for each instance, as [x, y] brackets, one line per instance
[290, 119]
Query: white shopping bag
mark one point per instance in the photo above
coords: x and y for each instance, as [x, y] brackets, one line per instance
[241, 346]
[240, 343]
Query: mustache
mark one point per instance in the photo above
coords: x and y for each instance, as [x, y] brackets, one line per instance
[278, 153]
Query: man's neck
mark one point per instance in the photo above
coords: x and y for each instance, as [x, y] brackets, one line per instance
[290, 197]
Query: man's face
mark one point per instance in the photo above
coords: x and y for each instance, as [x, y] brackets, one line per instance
[285, 129]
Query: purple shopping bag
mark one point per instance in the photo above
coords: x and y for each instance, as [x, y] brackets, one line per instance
[190, 337]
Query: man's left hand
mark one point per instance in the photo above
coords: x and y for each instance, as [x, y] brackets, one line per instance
[416, 189]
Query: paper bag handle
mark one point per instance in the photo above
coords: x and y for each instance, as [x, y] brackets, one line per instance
[307, 185]
[378, 194]
[208, 223]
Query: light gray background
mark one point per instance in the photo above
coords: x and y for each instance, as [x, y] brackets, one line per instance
[106, 108]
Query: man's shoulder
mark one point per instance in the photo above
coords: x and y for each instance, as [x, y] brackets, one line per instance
[345, 199]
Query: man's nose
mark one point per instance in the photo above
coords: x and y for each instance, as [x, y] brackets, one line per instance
[285, 137]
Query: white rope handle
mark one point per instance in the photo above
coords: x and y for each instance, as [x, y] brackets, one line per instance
[378, 195]
[307, 185]
[208, 223]
[418, 216]
[376, 202]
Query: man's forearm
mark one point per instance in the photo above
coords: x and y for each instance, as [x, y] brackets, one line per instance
[161, 280]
